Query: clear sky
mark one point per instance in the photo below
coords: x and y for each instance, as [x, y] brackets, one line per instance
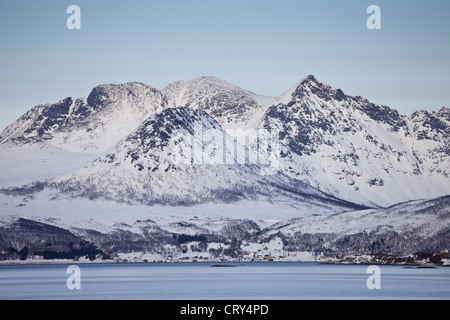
[260, 45]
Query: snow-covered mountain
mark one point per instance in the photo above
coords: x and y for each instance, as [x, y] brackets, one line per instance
[56, 139]
[360, 151]
[342, 145]
[329, 157]
[96, 124]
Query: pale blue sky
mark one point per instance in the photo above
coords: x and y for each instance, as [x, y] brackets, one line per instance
[263, 46]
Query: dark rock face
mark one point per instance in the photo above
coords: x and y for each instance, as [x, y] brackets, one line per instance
[430, 126]
[44, 120]
[97, 97]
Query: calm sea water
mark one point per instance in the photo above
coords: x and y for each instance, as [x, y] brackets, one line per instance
[247, 281]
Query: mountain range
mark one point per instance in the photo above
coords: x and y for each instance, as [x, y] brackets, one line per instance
[313, 155]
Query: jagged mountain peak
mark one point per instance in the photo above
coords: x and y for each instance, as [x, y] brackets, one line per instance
[435, 126]
[316, 96]
[311, 86]
[41, 121]
[328, 135]
[445, 112]
[109, 114]
[310, 80]
[307, 86]
[444, 115]
[107, 93]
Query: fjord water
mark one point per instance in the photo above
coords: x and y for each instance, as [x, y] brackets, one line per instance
[243, 281]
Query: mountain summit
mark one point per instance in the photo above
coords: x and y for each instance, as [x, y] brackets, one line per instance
[230, 105]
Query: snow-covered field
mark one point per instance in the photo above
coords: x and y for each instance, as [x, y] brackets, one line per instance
[103, 215]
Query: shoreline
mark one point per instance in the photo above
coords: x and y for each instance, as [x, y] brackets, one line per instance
[67, 262]
[419, 259]
[12, 263]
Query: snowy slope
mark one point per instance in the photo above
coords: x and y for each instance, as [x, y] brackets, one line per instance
[25, 164]
[421, 218]
[421, 225]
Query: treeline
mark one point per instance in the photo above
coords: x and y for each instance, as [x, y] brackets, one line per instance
[90, 251]
[184, 238]
[22, 253]
[29, 189]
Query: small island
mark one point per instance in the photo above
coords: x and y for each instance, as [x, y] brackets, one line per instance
[223, 266]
